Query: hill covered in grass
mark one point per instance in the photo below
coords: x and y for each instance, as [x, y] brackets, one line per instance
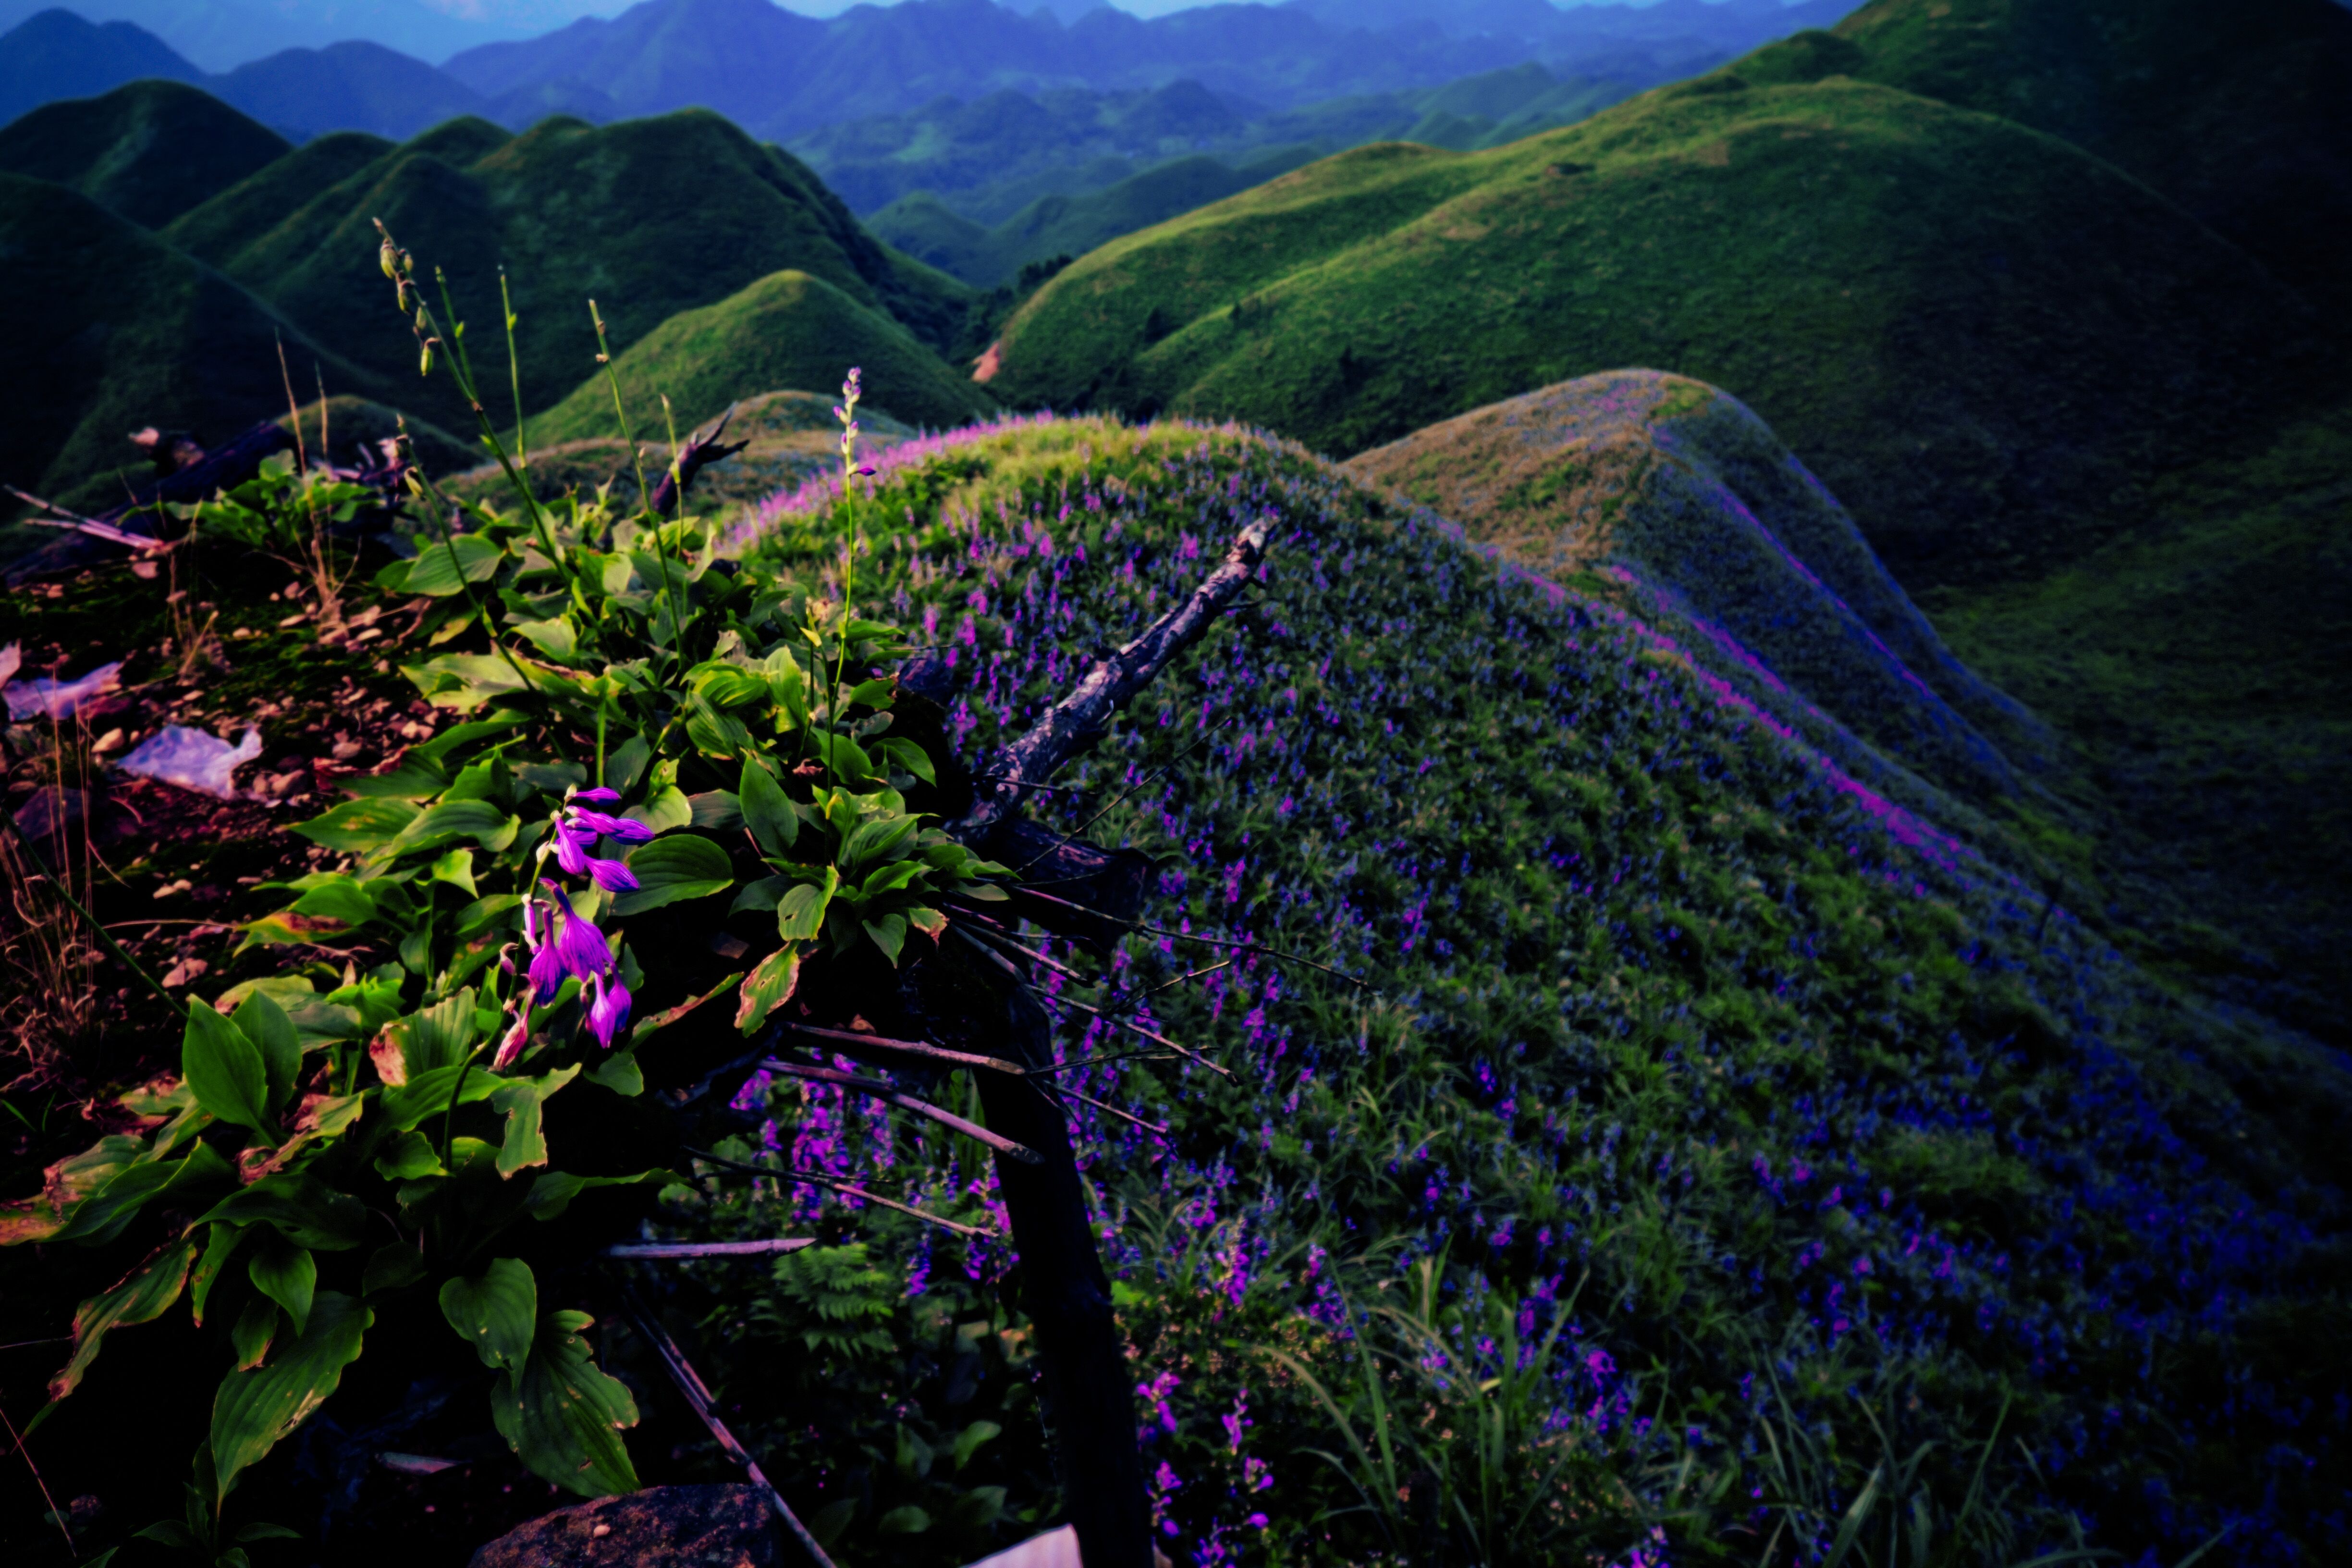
[649, 218]
[1671, 498]
[2239, 112]
[1793, 1114]
[149, 152]
[112, 330]
[788, 329]
[1975, 333]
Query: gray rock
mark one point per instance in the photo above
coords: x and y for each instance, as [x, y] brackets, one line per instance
[661, 1527]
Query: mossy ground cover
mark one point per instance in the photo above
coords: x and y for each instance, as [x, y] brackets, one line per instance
[148, 150]
[1974, 333]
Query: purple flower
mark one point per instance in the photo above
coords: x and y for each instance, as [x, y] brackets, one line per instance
[609, 1013]
[546, 974]
[571, 849]
[625, 830]
[611, 875]
[580, 948]
[600, 794]
[512, 1046]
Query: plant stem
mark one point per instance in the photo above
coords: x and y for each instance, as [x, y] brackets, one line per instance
[449, 1117]
[88, 918]
[514, 369]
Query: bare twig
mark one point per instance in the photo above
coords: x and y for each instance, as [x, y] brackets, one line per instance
[698, 1394]
[768, 1248]
[810, 1179]
[1151, 1127]
[1084, 716]
[923, 1108]
[56, 1513]
[850, 1043]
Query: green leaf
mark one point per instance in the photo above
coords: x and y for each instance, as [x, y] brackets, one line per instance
[457, 736]
[912, 758]
[846, 759]
[968, 1440]
[554, 638]
[288, 1275]
[164, 1532]
[429, 1095]
[226, 1069]
[766, 811]
[497, 1312]
[299, 1208]
[108, 1213]
[760, 895]
[553, 1193]
[905, 1521]
[620, 1073]
[482, 821]
[337, 896]
[563, 1417]
[889, 934]
[436, 1036]
[625, 764]
[519, 1101]
[464, 681]
[141, 1295]
[255, 1328]
[264, 1023]
[255, 1409]
[390, 1266]
[787, 685]
[800, 913]
[357, 827]
[879, 839]
[219, 1247]
[252, 1533]
[408, 1157]
[767, 987]
[417, 777]
[435, 574]
[457, 868]
[551, 778]
[668, 870]
[929, 921]
[479, 915]
[716, 810]
[665, 809]
[828, 1523]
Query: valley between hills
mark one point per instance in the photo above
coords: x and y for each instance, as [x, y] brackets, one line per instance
[1726, 944]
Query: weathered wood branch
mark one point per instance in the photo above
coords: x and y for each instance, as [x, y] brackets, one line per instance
[702, 450]
[850, 1043]
[847, 1189]
[1084, 717]
[891, 1094]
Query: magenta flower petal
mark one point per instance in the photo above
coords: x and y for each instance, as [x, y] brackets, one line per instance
[600, 794]
[620, 828]
[609, 1013]
[581, 948]
[611, 875]
[512, 1046]
[571, 849]
[546, 974]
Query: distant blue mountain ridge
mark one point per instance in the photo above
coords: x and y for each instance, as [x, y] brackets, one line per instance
[780, 74]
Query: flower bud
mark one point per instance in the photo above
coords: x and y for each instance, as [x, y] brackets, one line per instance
[387, 257]
[423, 322]
[424, 360]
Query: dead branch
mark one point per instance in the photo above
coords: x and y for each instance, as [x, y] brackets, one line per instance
[891, 1093]
[699, 452]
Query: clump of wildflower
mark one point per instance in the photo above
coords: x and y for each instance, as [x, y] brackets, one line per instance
[577, 828]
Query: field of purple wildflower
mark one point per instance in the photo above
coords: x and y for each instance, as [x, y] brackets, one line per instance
[1694, 1148]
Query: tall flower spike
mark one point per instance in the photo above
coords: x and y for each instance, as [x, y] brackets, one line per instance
[580, 948]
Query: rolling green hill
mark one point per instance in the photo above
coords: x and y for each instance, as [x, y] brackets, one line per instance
[648, 217]
[1975, 333]
[2239, 110]
[116, 329]
[149, 151]
[788, 329]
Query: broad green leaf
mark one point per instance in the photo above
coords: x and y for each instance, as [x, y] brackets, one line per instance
[109, 1212]
[800, 913]
[760, 895]
[787, 685]
[929, 921]
[484, 779]
[226, 1069]
[874, 694]
[968, 1440]
[65, 1186]
[484, 822]
[910, 757]
[646, 1027]
[907, 1520]
[390, 1266]
[429, 1095]
[847, 760]
[220, 1245]
[891, 877]
[620, 1073]
[288, 1275]
[143, 1295]
[497, 1312]
[553, 1191]
[417, 777]
[716, 810]
[407, 1157]
[457, 736]
[519, 1101]
[357, 827]
[256, 1325]
[625, 764]
[665, 810]
[767, 987]
[766, 811]
[554, 638]
[482, 913]
[551, 778]
[457, 868]
[436, 1036]
[317, 1020]
[299, 1208]
[464, 681]
[255, 1409]
[445, 567]
[880, 839]
[337, 897]
[683, 866]
[889, 934]
[264, 1023]
[563, 1417]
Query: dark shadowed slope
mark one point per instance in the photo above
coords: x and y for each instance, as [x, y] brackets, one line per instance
[109, 330]
[1669, 495]
[2239, 110]
[1974, 333]
[647, 218]
[149, 151]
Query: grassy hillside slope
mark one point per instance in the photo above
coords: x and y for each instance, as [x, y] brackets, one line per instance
[149, 151]
[1811, 1121]
[788, 329]
[2239, 110]
[1667, 495]
[112, 330]
[647, 218]
[1975, 333]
